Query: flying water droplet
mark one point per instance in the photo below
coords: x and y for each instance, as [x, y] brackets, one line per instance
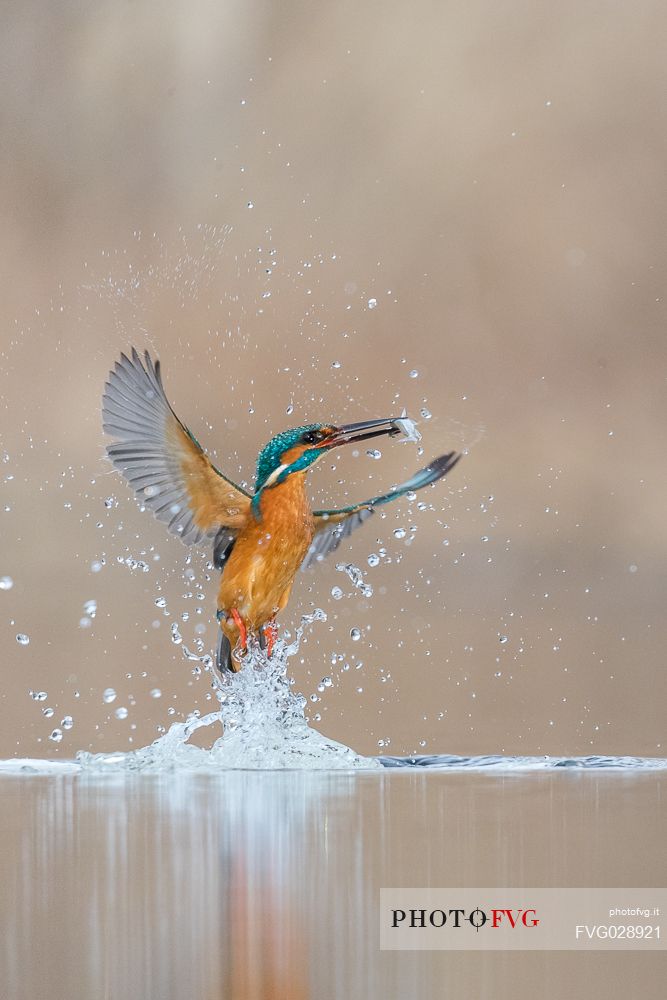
[503, 639]
[414, 373]
[372, 303]
[121, 713]
[22, 639]
[357, 578]
[6, 583]
[67, 722]
[355, 634]
[56, 735]
[38, 695]
[134, 563]
[374, 453]
[156, 693]
[336, 593]
[108, 695]
[399, 532]
[373, 559]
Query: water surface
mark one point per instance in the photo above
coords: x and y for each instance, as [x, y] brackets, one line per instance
[266, 883]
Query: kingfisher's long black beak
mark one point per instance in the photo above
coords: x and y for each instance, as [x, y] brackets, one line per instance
[362, 431]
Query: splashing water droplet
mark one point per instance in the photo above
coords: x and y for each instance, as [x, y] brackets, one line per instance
[121, 712]
[425, 414]
[335, 364]
[67, 722]
[108, 695]
[355, 634]
[399, 532]
[110, 502]
[156, 693]
[6, 583]
[134, 563]
[414, 373]
[503, 639]
[38, 695]
[48, 713]
[22, 639]
[56, 735]
[374, 453]
[373, 559]
[160, 602]
[372, 303]
[336, 593]
[357, 578]
[90, 608]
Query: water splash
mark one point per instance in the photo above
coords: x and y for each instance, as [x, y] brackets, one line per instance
[262, 720]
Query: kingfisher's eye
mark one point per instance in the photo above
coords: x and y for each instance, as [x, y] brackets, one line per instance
[312, 437]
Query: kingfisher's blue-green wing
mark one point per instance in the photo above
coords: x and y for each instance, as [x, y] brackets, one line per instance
[167, 468]
[332, 526]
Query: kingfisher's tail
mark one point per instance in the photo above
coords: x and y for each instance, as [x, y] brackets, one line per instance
[223, 654]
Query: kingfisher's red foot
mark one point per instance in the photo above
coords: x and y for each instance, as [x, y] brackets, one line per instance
[271, 633]
[240, 624]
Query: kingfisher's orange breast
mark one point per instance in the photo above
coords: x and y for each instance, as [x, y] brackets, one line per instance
[268, 553]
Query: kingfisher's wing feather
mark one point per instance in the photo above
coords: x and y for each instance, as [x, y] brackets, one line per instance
[169, 471]
[332, 526]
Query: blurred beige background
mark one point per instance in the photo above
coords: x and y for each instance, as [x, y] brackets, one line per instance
[231, 184]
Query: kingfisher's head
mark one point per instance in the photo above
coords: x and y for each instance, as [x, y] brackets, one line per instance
[297, 449]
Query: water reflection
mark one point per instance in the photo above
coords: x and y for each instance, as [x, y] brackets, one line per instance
[266, 884]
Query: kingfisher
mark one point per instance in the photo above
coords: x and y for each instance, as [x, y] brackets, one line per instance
[260, 540]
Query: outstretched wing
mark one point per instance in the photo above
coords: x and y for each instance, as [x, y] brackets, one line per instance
[332, 526]
[169, 471]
